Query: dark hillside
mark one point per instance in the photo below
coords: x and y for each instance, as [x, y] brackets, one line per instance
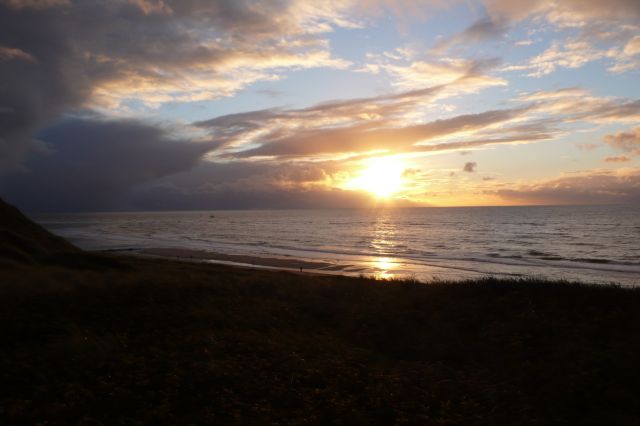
[23, 241]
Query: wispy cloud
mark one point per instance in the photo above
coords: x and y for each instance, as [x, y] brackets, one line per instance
[617, 159]
[378, 124]
[469, 75]
[567, 54]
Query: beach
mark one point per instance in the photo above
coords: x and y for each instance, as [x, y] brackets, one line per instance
[244, 260]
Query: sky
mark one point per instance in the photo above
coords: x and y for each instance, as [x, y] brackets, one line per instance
[234, 104]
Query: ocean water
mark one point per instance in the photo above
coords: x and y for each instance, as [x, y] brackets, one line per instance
[596, 244]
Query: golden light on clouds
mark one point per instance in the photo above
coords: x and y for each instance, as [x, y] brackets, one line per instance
[383, 177]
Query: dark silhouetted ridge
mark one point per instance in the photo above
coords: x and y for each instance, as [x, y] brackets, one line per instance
[24, 241]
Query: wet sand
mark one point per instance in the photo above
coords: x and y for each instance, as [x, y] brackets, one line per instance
[269, 262]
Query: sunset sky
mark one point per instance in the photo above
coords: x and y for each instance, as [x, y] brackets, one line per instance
[199, 104]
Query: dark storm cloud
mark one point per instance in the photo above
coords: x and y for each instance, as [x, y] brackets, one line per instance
[33, 92]
[238, 198]
[247, 184]
[91, 164]
[244, 185]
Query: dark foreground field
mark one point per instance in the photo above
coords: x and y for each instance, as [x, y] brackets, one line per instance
[104, 340]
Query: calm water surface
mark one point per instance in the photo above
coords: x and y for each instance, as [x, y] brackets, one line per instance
[593, 244]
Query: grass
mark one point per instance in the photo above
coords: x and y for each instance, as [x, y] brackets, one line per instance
[91, 339]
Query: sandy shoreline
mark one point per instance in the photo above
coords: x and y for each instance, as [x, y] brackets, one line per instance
[251, 261]
[379, 268]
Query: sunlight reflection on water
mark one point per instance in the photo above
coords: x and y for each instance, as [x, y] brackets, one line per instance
[384, 268]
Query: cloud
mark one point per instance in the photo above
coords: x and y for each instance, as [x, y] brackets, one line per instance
[35, 4]
[91, 163]
[254, 127]
[618, 159]
[363, 137]
[524, 43]
[61, 59]
[239, 198]
[575, 53]
[98, 164]
[365, 125]
[565, 13]
[385, 124]
[58, 56]
[13, 54]
[274, 157]
[572, 54]
[575, 104]
[245, 185]
[632, 47]
[587, 146]
[596, 30]
[470, 167]
[595, 20]
[625, 141]
[481, 30]
[598, 187]
[460, 75]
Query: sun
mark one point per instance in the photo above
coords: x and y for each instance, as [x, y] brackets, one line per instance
[382, 177]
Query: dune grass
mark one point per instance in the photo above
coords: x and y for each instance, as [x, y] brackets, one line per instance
[92, 339]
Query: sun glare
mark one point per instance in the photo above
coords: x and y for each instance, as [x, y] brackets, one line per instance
[382, 177]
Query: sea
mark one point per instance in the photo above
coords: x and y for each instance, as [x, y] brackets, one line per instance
[590, 244]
